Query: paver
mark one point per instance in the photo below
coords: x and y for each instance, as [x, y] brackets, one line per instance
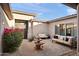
[49, 49]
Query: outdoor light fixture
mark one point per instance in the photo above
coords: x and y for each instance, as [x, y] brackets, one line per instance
[58, 25]
[3, 23]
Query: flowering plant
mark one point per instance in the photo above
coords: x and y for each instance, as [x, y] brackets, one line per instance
[12, 39]
[10, 30]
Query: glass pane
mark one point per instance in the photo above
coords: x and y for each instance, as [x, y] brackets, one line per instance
[62, 29]
[57, 30]
[75, 30]
[70, 29]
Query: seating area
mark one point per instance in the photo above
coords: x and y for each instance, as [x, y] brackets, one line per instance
[43, 36]
[63, 30]
[67, 40]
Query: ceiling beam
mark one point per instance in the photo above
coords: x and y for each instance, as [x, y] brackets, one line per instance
[72, 5]
[7, 10]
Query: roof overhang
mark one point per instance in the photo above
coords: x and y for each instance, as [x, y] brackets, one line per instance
[7, 10]
[23, 13]
[72, 5]
[64, 18]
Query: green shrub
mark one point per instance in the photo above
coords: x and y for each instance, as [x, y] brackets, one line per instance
[12, 39]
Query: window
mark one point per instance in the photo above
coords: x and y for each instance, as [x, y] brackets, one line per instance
[57, 29]
[62, 29]
[75, 30]
[68, 29]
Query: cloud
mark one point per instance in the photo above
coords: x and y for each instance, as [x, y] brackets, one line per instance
[40, 14]
[71, 11]
[37, 7]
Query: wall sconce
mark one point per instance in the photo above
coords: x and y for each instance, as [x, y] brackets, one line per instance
[3, 23]
[58, 25]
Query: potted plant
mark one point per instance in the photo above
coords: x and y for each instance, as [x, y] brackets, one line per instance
[31, 39]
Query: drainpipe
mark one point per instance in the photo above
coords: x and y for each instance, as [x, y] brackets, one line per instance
[77, 28]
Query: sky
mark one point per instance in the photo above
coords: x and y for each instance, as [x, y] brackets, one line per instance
[44, 11]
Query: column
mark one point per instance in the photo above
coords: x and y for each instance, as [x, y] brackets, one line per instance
[0, 35]
[1, 32]
[31, 28]
[77, 28]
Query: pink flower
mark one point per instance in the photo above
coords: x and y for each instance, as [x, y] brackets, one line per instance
[11, 30]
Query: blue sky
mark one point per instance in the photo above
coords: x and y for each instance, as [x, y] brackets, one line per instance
[44, 11]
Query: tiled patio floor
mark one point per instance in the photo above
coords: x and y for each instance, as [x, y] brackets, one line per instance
[50, 49]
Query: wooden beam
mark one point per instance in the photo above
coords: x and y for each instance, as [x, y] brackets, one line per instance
[72, 5]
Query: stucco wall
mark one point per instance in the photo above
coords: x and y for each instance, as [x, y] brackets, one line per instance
[38, 28]
[1, 29]
[22, 17]
[8, 23]
[52, 24]
[4, 22]
[20, 25]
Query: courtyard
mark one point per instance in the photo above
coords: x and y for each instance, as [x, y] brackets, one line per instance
[50, 49]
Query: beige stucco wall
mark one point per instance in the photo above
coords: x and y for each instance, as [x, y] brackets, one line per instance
[52, 24]
[20, 25]
[22, 17]
[1, 29]
[29, 30]
[38, 28]
[4, 22]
